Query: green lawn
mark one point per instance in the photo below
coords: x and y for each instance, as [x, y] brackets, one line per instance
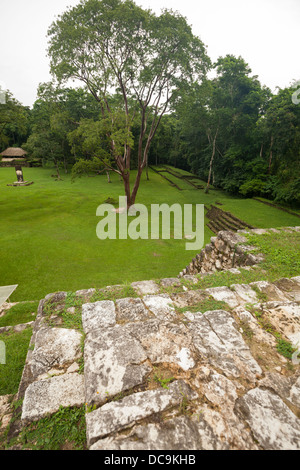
[48, 232]
[16, 348]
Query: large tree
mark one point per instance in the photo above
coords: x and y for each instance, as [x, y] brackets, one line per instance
[280, 136]
[115, 46]
[219, 125]
[56, 113]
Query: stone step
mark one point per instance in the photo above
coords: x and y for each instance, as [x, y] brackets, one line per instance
[156, 378]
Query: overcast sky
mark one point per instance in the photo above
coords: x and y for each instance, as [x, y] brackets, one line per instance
[265, 33]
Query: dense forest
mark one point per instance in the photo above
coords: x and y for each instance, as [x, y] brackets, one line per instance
[230, 130]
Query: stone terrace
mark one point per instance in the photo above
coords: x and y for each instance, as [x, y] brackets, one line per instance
[162, 373]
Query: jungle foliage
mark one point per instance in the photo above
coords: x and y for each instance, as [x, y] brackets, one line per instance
[145, 99]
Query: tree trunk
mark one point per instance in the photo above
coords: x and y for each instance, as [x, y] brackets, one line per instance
[261, 150]
[108, 177]
[126, 181]
[57, 170]
[211, 161]
[136, 186]
[271, 154]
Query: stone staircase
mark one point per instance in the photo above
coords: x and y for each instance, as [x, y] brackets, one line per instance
[160, 373]
[170, 364]
[224, 220]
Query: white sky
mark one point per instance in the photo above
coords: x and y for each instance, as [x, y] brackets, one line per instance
[265, 33]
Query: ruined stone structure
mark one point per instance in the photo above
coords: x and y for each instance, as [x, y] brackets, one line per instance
[225, 251]
[160, 374]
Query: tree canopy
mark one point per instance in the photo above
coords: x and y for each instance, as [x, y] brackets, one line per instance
[145, 96]
[117, 47]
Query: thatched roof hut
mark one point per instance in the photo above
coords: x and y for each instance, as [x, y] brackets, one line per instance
[12, 153]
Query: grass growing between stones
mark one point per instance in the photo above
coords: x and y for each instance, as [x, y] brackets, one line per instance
[67, 313]
[283, 346]
[161, 378]
[64, 314]
[16, 347]
[113, 293]
[64, 430]
[205, 306]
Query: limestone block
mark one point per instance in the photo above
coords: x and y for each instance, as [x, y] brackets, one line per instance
[296, 279]
[170, 282]
[220, 343]
[294, 395]
[160, 305]
[46, 396]
[216, 388]
[285, 317]
[224, 294]
[98, 315]
[288, 388]
[145, 287]
[165, 342]
[222, 393]
[57, 297]
[272, 423]
[254, 259]
[191, 278]
[261, 335]
[218, 265]
[231, 238]
[228, 429]
[272, 292]
[259, 231]
[233, 270]
[179, 433]
[85, 292]
[185, 299]
[220, 244]
[131, 310]
[54, 347]
[245, 293]
[113, 362]
[184, 359]
[290, 288]
[120, 414]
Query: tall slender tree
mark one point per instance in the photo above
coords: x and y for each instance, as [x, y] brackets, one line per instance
[116, 46]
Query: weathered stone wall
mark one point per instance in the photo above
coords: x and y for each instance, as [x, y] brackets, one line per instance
[163, 370]
[226, 387]
[225, 251]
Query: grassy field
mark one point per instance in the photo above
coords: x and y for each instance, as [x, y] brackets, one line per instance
[48, 232]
